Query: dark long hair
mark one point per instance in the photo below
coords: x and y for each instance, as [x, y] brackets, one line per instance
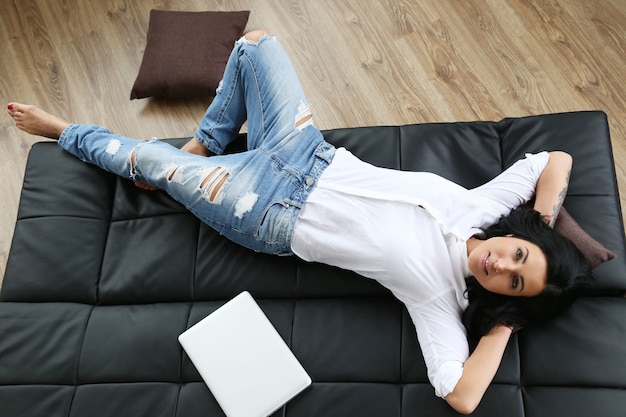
[569, 277]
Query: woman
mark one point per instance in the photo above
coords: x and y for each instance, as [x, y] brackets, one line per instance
[417, 234]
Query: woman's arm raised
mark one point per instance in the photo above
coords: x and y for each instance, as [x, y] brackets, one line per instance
[479, 370]
[552, 186]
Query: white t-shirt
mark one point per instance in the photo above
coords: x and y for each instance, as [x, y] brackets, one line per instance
[408, 231]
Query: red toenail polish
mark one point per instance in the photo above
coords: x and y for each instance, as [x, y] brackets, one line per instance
[10, 106]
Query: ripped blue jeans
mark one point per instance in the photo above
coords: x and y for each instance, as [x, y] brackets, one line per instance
[252, 197]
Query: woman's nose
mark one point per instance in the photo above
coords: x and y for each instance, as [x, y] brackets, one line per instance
[503, 265]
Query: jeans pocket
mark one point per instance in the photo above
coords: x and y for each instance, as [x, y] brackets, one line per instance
[276, 226]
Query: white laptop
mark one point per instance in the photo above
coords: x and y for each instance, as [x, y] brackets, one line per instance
[245, 363]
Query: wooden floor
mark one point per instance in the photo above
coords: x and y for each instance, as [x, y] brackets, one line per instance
[362, 62]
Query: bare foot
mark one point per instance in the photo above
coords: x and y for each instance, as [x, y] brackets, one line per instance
[35, 121]
[194, 146]
[145, 186]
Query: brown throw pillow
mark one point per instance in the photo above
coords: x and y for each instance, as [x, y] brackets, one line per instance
[186, 53]
[594, 251]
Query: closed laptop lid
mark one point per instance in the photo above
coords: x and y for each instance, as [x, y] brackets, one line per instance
[244, 361]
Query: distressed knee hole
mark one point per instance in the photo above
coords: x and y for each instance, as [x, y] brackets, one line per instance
[113, 146]
[304, 117]
[173, 172]
[212, 184]
[132, 158]
[254, 36]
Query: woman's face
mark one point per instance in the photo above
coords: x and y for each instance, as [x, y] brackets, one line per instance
[508, 265]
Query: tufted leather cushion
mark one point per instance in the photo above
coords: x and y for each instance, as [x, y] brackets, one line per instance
[103, 277]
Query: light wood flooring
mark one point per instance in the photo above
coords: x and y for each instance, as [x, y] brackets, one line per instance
[361, 62]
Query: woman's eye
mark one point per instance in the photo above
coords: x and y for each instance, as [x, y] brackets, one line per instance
[515, 282]
[519, 254]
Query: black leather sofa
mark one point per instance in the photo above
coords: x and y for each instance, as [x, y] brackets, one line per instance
[102, 277]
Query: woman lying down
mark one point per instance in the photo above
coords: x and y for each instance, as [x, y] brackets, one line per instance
[467, 264]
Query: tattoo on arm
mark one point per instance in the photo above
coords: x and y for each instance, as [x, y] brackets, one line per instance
[557, 207]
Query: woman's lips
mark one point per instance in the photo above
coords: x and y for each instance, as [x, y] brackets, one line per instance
[485, 263]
